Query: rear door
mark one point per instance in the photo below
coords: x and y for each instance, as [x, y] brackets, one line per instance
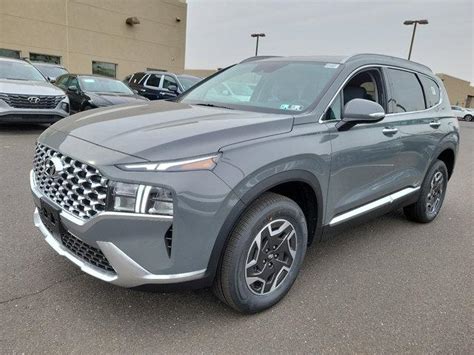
[414, 108]
[152, 86]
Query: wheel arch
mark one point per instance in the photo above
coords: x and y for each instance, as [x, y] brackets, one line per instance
[279, 183]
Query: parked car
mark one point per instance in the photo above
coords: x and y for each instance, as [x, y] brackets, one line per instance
[156, 85]
[50, 71]
[86, 92]
[229, 193]
[462, 113]
[27, 97]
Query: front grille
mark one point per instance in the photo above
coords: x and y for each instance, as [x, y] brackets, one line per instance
[85, 252]
[32, 101]
[79, 189]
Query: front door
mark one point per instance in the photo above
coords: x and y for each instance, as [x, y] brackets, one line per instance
[365, 163]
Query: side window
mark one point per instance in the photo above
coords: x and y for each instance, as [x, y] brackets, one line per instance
[334, 111]
[169, 81]
[135, 79]
[153, 80]
[62, 81]
[406, 92]
[431, 89]
[74, 82]
[365, 85]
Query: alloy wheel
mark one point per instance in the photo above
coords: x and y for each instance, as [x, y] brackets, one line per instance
[433, 200]
[270, 257]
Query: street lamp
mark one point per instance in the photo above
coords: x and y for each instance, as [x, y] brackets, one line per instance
[257, 35]
[415, 23]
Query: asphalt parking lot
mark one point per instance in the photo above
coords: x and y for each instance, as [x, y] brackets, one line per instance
[385, 286]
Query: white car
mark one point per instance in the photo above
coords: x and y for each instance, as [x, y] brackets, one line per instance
[463, 113]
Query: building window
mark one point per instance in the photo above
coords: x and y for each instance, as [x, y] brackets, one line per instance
[105, 69]
[45, 58]
[9, 53]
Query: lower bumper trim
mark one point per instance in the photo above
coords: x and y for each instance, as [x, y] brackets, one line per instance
[128, 272]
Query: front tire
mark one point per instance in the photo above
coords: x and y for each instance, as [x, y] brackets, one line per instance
[468, 118]
[433, 191]
[263, 255]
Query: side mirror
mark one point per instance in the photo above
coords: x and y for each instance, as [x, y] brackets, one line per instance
[72, 88]
[360, 111]
[173, 88]
[51, 80]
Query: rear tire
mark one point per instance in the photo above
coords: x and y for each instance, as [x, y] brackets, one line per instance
[263, 255]
[468, 118]
[433, 191]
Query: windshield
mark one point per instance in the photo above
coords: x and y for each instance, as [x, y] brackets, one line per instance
[269, 86]
[51, 71]
[188, 81]
[19, 71]
[95, 84]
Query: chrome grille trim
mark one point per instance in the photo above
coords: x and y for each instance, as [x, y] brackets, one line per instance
[80, 189]
[21, 101]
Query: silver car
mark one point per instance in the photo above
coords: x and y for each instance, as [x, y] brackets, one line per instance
[27, 97]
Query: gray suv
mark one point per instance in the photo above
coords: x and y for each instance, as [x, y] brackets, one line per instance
[27, 97]
[228, 189]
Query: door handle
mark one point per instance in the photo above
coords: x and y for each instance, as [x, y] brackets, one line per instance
[388, 131]
[435, 124]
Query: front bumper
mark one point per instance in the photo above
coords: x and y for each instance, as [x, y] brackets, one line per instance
[127, 272]
[10, 114]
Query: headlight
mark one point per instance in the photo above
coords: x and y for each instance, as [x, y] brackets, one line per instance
[200, 163]
[134, 198]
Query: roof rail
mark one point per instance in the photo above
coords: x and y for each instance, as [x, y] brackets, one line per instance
[258, 57]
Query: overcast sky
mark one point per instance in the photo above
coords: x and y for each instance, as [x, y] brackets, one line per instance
[218, 31]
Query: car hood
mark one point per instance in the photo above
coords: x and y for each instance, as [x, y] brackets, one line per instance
[24, 87]
[107, 99]
[162, 130]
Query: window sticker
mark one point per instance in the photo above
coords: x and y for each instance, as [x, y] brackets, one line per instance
[89, 80]
[291, 107]
[433, 90]
[331, 65]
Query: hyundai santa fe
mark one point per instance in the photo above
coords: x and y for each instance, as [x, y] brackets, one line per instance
[228, 190]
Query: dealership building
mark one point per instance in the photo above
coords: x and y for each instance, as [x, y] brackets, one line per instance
[108, 37]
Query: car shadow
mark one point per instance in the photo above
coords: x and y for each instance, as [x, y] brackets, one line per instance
[187, 308]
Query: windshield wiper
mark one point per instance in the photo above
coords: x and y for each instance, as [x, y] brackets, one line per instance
[212, 105]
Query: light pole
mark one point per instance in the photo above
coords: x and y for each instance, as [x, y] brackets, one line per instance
[415, 23]
[257, 35]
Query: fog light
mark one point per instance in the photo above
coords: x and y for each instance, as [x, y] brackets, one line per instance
[65, 106]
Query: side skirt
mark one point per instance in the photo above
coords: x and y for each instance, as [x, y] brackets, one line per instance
[370, 211]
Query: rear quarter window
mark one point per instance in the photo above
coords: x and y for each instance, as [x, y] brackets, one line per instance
[431, 90]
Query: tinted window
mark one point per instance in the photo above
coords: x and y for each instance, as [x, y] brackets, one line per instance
[136, 78]
[154, 80]
[105, 69]
[169, 81]
[188, 81]
[74, 82]
[431, 91]
[62, 81]
[406, 92]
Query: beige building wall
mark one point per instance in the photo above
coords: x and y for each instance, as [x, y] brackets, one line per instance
[460, 92]
[82, 31]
